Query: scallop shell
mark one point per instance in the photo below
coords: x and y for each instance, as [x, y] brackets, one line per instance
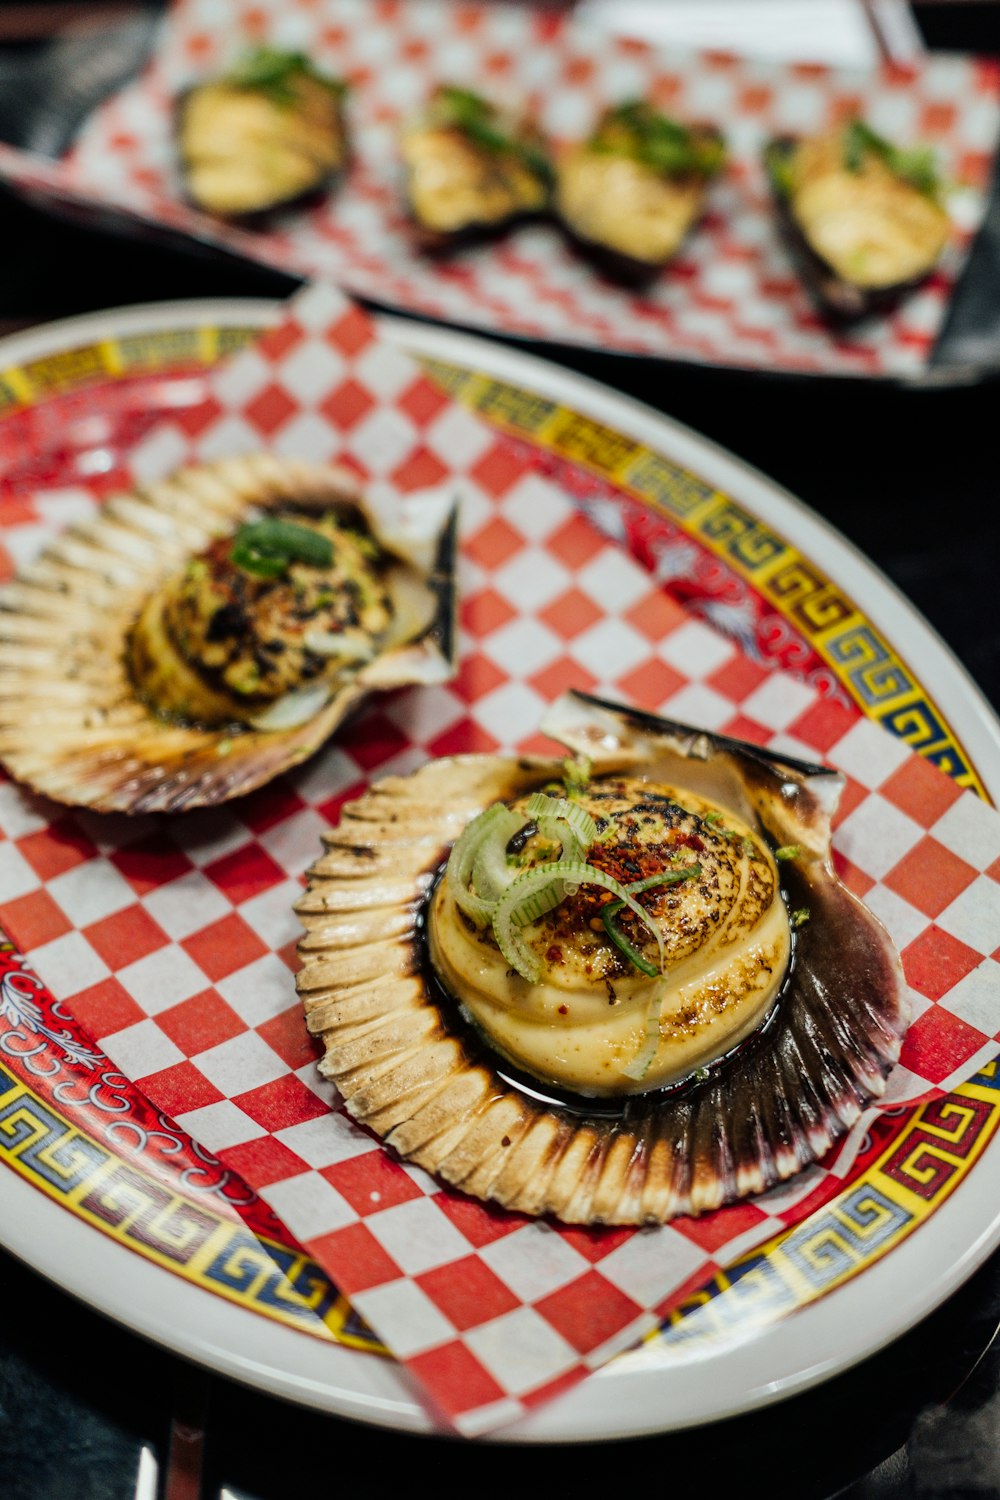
[410, 1069]
[71, 724]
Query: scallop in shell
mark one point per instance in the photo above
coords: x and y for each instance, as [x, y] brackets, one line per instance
[201, 635]
[415, 1064]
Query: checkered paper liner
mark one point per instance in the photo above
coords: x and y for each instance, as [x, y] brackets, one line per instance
[173, 941]
[731, 297]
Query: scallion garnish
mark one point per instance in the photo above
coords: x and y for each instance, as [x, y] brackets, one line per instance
[778, 164]
[576, 773]
[637, 130]
[270, 71]
[788, 851]
[800, 915]
[478, 119]
[267, 548]
[611, 911]
[917, 166]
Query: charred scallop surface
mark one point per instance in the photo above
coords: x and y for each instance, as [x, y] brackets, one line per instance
[632, 192]
[382, 973]
[864, 218]
[471, 169]
[291, 600]
[265, 134]
[199, 636]
[700, 957]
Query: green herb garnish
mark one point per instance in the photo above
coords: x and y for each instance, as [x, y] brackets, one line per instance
[610, 912]
[637, 130]
[272, 71]
[916, 166]
[788, 851]
[778, 164]
[576, 773]
[267, 548]
[800, 915]
[478, 119]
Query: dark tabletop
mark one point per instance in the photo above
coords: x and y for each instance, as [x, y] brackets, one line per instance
[911, 477]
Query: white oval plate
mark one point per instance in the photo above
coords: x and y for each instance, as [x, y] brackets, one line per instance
[648, 1390]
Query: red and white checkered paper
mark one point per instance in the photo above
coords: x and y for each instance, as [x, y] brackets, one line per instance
[730, 298]
[172, 940]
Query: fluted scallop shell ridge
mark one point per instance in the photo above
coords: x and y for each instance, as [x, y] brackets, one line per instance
[409, 1068]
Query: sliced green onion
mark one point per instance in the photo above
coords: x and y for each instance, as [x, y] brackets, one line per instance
[800, 915]
[267, 548]
[665, 877]
[542, 806]
[258, 564]
[491, 874]
[916, 166]
[271, 71]
[477, 118]
[788, 851]
[576, 773]
[565, 822]
[550, 882]
[639, 1066]
[611, 911]
[463, 857]
[621, 942]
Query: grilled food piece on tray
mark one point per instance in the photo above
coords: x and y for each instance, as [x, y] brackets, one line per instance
[267, 133]
[630, 194]
[864, 218]
[471, 169]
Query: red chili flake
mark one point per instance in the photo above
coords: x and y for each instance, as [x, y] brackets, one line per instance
[689, 841]
[505, 1140]
[554, 954]
[564, 1010]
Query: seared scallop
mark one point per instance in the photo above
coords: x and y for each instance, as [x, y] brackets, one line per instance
[631, 193]
[615, 988]
[471, 169]
[268, 132]
[864, 218]
[200, 636]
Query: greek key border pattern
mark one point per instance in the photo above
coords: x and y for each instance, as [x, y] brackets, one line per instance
[917, 1172]
[863, 661]
[147, 1214]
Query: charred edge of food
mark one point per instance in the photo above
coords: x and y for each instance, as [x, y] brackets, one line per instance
[838, 298]
[308, 120]
[443, 629]
[234, 569]
[501, 163]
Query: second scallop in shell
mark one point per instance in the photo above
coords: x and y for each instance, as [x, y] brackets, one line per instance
[199, 636]
[616, 989]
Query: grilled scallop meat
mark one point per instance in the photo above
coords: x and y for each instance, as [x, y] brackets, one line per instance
[200, 636]
[290, 601]
[863, 218]
[615, 988]
[471, 170]
[631, 193]
[266, 134]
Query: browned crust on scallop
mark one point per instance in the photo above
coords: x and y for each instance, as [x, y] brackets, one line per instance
[72, 725]
[409, 1068]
